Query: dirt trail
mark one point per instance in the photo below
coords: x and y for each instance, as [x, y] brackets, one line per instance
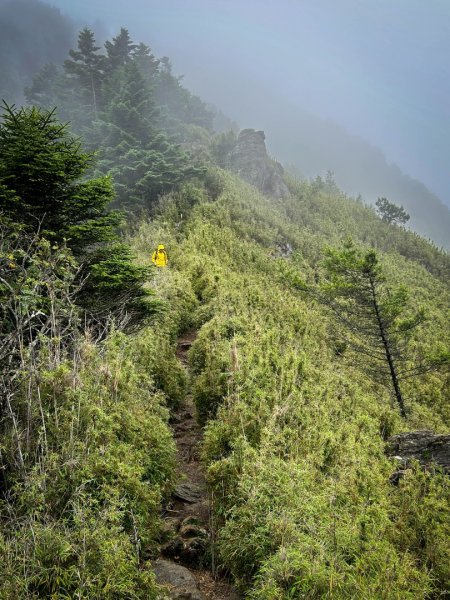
[188, 515]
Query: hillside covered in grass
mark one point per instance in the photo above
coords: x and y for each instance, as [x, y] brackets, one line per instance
[295, 431]
[296, 403]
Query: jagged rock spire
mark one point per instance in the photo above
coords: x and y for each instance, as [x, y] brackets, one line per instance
[249, 160]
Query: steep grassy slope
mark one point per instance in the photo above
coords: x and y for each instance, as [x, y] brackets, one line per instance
[295, 431]
[294, 427]
[315, 146]
[87, 460]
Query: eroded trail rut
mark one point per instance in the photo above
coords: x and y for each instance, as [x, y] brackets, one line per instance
[187, 518]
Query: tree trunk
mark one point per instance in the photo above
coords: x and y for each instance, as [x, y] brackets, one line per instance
[387, 350]
[94, 96]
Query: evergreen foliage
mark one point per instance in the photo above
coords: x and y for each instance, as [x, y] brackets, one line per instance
[85, 68]
[86, 456]
[294, 442]
[181, 105]
[41, 187]
[295, 428]
[390, 212]
[120, 50]
[129, 106]
[357, 294]
[44, 90]
[141, 159]
[80, 501]
[222, 145]
[294, 446]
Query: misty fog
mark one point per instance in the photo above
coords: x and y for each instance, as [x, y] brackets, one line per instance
[379, 69]
[352, 87]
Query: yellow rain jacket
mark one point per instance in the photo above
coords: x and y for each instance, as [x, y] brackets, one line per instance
[159, 257]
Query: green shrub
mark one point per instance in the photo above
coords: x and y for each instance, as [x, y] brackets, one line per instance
[82, 516]
[294, 436]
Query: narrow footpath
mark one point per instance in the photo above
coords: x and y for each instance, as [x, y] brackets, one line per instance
[184, 565]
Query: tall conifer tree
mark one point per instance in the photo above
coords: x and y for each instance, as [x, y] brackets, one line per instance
[87, 67]
[42, 188]
[119, 51]
[373, 315]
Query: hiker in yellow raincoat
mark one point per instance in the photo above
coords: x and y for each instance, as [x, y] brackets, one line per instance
[159, 257]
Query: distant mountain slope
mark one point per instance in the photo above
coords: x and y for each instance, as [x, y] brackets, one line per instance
[32, 33]
[315, 146]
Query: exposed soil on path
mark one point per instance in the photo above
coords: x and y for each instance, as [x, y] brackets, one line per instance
[188, 514]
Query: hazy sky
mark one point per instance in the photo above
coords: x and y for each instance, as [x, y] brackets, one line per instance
[380, 68]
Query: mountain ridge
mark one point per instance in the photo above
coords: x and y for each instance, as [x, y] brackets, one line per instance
[312, 146]
[296, 405]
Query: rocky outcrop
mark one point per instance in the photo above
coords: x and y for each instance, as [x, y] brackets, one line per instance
[178, 580]
[189, 492]
[188, 541]
[283, 250]
[430, 449]
[249, 160]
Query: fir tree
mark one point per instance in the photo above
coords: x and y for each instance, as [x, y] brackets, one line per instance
[373, 315]
[142, 160]
[87, 68]
[131, 111]
[181, 105]
[120, 50]
[390, 212]
[44, 88]
[147, 63]
[41, 188]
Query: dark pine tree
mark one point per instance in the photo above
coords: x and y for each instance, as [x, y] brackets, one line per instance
[147, 63]
[87, 69]
[142, 160]
[373, 316]
[120, 50]
[390, 212]
[44, 189]
[43, 91]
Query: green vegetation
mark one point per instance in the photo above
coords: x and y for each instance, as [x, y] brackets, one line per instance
[390, 212]
[295, 427]
[86, 455]
[373, 315]
[130, 108]
[294, 441]
[85, 468]
[42, 190]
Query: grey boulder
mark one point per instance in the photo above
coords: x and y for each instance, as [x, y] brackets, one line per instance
[178, 580]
